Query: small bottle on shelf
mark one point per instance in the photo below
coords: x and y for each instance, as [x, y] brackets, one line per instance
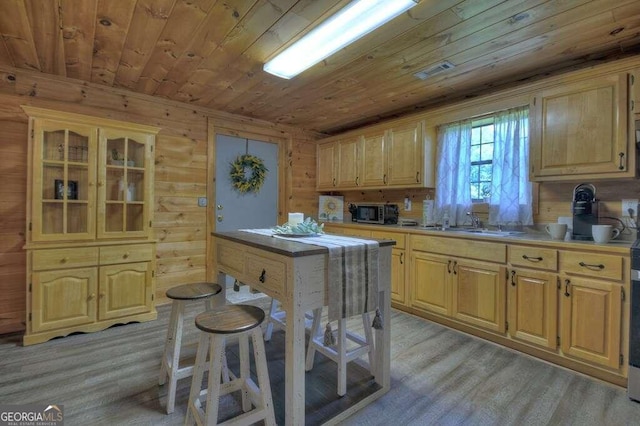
[445, 220]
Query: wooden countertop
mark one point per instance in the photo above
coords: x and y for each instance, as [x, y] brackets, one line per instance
[286, 247]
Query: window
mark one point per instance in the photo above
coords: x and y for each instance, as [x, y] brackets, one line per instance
[481, 173]
[485, 160]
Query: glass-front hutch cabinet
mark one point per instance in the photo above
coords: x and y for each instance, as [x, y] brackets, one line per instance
[90, 253]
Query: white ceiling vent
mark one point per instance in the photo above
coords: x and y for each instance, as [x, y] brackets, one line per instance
[436, 69]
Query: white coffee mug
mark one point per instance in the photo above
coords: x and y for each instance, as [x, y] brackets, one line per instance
[556, 230]
[602, 234]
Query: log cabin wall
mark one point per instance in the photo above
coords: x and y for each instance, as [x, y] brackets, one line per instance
[181, 174]
[550, 199]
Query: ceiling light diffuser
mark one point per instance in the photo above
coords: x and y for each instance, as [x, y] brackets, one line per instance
[357, 19]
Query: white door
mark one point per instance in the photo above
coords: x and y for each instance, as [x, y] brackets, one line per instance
[235, 210]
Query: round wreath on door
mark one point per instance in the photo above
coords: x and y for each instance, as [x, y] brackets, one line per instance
[248, 173]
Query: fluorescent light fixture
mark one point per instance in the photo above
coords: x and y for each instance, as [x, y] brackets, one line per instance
[357, 19]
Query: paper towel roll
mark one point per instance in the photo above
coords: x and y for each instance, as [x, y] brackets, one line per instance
[295, 218]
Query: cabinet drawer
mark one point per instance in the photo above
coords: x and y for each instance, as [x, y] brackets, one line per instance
[398, 237]
[230, 259]
[264, 273]
[534, 257]
[460, 247]
[64, 258]
[126, 254]
[594, 265]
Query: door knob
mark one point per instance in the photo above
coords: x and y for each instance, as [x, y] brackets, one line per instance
[220, 217]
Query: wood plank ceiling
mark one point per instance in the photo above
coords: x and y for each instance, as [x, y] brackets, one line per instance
[210, 52]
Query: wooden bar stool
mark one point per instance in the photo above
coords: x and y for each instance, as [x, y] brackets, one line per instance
[226, 321]
[170, 366]
[348, 346]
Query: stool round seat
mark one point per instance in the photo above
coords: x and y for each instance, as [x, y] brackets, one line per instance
[193, 291]
[230, 319]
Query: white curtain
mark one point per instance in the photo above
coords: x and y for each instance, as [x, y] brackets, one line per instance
[510, 188]
[454, 159]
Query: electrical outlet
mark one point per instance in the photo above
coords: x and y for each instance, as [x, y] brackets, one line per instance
[629, 212]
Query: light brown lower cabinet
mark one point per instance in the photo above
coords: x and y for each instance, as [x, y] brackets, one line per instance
[479, 294]
[533, 307]
[430, 283]
[88, 289]
[591, 320]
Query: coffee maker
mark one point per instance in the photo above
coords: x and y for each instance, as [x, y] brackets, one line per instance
[585, 211]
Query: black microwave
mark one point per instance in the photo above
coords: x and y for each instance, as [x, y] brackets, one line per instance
[386, 214]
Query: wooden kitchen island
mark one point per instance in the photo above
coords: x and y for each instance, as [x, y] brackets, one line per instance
[295, 273]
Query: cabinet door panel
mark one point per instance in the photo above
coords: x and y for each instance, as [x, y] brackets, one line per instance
[533, 304]
[326, 165]
[63, 298]
[406, 156]
[430, 283]
[479, 295]
[398, 263]
[347, 167]
[125, 290]
[581, 128]
[63, 186]
[373, 161]
[591, 321]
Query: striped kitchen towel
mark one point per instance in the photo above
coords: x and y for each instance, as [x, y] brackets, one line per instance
[352, 272]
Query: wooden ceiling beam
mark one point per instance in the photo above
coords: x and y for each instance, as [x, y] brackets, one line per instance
[258, 20]
[78, 32]
[17, 35]
[359, 52]
[149, 19]
[186, 20]
[114, 21]
[46, 27]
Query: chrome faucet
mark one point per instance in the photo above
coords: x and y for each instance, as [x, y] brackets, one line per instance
[475, 220]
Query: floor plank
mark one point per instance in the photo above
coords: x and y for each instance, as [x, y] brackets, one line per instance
[439, 376]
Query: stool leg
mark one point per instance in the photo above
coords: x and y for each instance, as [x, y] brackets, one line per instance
[269, 328]
[196, 382]
[245, 373]
[368, 337]
[175, 358]
[168, 343]
[217, 351]
[313, 335]
[342, 356]
[262, 372]
[209, 305]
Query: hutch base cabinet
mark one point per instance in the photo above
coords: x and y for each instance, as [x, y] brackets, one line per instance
[90, 253]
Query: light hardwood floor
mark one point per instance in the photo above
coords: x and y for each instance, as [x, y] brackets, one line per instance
[439, 377]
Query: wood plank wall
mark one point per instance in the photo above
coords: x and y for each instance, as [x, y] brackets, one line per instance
[180, 176]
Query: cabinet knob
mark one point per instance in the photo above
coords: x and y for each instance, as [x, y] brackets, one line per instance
[126, 255]
[92, 296]
[100, 183]
[64, 260]
[103, 295]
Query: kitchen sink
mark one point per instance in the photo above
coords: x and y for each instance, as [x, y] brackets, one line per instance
[482, 231]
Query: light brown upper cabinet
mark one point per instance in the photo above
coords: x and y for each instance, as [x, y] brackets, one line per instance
[399, 156]
[580, 130]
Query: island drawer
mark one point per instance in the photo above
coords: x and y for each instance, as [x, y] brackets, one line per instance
[64, 258]
[396, 236]
[460, 247]
[533, 257]
[126, 254]
[230, 258]
[265, 274]
[594, 265]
